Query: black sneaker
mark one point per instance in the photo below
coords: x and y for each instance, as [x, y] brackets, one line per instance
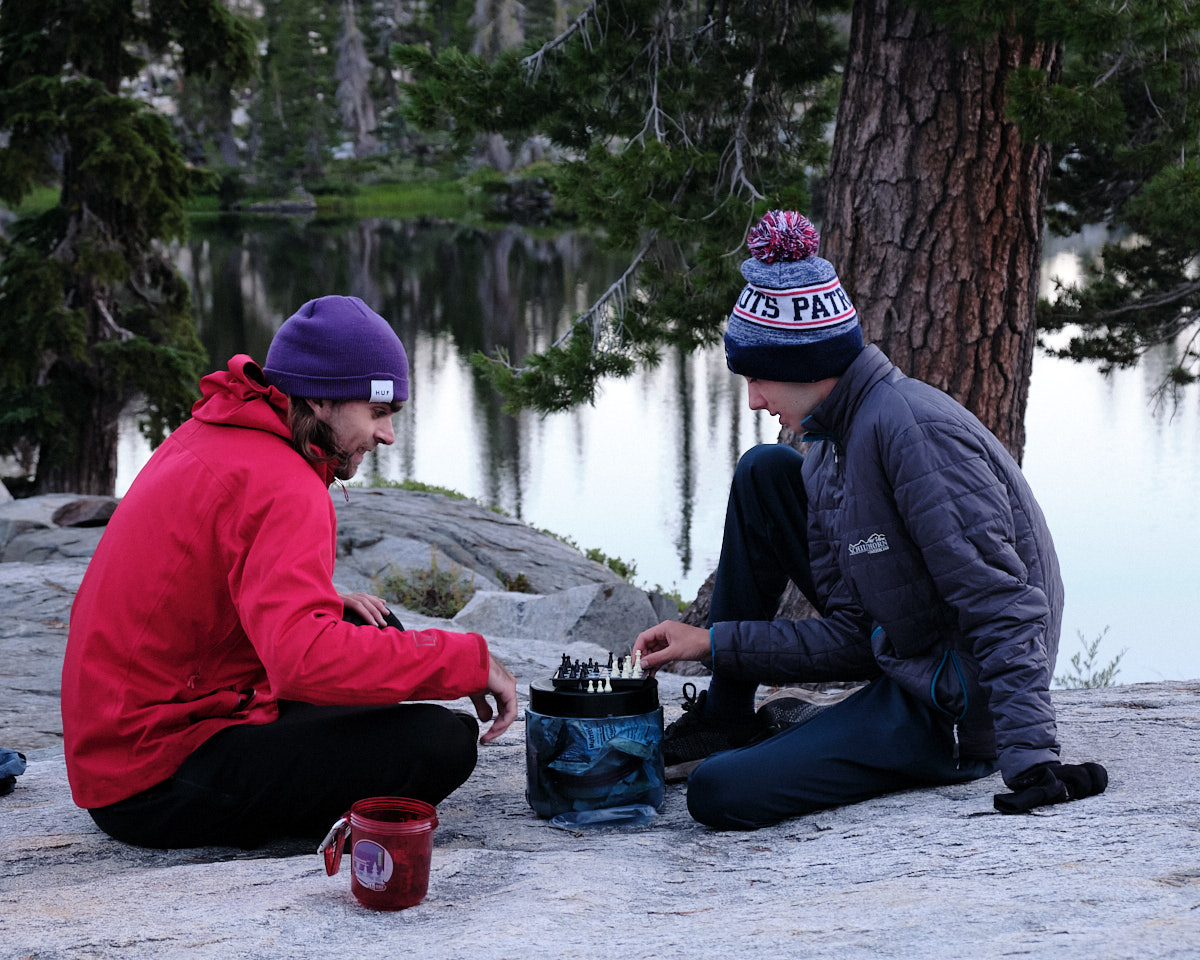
[779, 712]
[693, 737]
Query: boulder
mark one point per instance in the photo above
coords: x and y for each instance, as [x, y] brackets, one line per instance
[380, 527]
[665, 608]
[30, 513]
[53, 527]
[33, 636]
[932, 873]
[85, 512]
[610, 615]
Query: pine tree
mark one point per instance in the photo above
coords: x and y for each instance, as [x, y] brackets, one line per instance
[1124, 124]
[957, 119]
[92, 312]
[296, 107]
[683, 125]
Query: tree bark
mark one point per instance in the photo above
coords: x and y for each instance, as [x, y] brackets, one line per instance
[935, 208]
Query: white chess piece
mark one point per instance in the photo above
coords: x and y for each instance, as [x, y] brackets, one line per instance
[607, 685]
[637, 664]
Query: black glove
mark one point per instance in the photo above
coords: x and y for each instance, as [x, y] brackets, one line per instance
[1052, 782]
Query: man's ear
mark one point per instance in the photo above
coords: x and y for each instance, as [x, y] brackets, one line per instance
[320, 409]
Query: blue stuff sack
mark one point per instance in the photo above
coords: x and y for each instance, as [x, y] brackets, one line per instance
[576, 763]
[634, 815]
[12, 765]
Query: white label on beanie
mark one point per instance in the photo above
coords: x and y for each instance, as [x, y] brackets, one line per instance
[381, 391]
[820, 305]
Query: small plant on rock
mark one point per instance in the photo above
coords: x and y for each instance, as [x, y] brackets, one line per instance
[625, 569]
[433, 592]
[1084, 672]
[518, 584]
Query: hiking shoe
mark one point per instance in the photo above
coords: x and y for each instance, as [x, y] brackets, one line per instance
[694, 737]
[779, 711]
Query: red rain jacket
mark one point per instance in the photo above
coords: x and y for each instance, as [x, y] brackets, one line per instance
[210, 597]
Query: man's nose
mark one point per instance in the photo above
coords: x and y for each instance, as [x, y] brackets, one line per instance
[754, 397]
[386, 432]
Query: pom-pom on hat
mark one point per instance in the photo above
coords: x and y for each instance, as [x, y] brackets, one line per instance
[794, 321]
[338, 348]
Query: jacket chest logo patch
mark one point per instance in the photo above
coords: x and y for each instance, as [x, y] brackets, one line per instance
[875, 543]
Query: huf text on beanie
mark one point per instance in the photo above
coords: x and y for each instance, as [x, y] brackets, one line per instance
[338, 348]
[793, 321]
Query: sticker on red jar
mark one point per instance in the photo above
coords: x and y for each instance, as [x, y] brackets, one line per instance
[372, 865]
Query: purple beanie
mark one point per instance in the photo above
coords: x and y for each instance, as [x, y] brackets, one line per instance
[338, 348]
[793, 321]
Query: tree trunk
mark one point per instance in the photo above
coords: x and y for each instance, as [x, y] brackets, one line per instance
[354, 81]
[499, 26]
[94, 469]
[935, 208]
[934, 216]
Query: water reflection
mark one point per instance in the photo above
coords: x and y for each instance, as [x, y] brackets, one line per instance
[643, 474]
[450, 290]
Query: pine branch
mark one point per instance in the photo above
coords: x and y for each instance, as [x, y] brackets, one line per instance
[1150, 302]
[618, 292]
[533, 63]
[655, 114]
[739, 144]
[1111, 70]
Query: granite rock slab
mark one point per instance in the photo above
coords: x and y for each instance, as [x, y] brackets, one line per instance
[922, 873]
[929, 873]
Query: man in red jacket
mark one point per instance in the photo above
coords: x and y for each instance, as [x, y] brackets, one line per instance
[217, 688]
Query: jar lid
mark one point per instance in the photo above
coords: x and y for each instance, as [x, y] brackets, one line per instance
[626, 701]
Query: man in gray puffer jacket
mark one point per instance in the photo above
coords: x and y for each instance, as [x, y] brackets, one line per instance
[914, 534]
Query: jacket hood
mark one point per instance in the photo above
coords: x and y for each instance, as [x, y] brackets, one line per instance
[241, 397]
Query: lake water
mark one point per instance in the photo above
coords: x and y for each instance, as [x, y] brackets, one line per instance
[642, 474]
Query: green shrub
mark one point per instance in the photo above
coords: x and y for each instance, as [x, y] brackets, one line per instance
[416, 486]
[622, 568]
[433, 592]
[518, 584]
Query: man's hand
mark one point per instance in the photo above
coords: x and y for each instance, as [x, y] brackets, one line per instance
[371, 609]
[502, 685]
[671, 641]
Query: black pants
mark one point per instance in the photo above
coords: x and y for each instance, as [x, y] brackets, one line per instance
[294, 777]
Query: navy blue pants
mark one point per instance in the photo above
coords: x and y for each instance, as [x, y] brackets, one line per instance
[878, 739]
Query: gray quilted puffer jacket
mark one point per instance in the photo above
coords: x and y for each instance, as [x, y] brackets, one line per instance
[932, 563]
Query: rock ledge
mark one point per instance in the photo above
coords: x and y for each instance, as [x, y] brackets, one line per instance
[924, 873]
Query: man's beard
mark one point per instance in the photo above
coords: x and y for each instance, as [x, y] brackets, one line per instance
[343, 466]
